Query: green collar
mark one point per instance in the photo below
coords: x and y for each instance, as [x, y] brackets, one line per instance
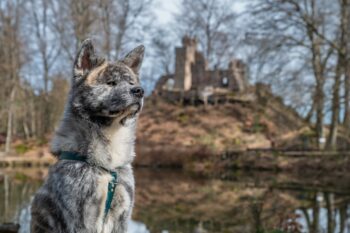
[68, 155]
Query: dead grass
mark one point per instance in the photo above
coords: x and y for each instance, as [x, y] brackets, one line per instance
[221, 127]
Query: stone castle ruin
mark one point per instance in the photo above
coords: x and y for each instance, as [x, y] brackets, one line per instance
[193, 80]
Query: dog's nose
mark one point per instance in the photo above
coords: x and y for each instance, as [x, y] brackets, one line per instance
[137, 91]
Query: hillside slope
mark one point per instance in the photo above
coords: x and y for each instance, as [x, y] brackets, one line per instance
[170, 129]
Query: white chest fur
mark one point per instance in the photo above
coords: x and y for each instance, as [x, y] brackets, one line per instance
[122, 200]
[121, 143]
[101, 192]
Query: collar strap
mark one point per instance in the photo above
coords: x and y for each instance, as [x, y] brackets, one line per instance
[68, 155]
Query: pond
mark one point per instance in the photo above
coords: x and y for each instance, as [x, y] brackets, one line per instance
[231, 201]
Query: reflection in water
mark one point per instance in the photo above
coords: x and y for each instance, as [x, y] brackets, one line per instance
[255, 202]
[15, 193]
[325, 214]
[137, 227]
[170, 201]
[24, 219]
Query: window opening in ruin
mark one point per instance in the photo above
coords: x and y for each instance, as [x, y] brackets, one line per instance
[224, 81]
[170, 84]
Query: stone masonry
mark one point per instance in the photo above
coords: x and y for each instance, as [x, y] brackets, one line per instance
[193, 75]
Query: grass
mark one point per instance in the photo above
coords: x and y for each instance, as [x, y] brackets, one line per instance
[207, 140]
[21, 148]
[183, 118]
[20, 176]
[257, 126]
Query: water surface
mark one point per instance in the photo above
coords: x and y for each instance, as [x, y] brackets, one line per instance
[174, 201]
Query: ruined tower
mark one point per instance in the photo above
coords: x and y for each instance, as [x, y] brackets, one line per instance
[200, 78]
[193, 77]
[185, 57]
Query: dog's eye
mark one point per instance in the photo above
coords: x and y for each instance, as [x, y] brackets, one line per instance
[128, 79]
[111, 83]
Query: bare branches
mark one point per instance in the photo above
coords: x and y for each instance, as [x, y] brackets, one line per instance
[212, 21]
[320, 31]
[38, 42]
[299, 26]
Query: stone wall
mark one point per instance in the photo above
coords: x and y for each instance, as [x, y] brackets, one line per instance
[185, 57]
[200, 77]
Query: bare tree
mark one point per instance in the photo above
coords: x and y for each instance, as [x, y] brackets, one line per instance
[73, 21]
[340, 45]
[45, 51]
[212, 21]
[292, 22]
[346, 117]
[115, 24]
[163, 51]
[52, 31]
[10, 57]
[123, 21]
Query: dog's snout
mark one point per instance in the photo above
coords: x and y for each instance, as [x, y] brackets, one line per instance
[137, 91]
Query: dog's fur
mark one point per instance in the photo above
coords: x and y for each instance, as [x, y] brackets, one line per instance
[99, 122]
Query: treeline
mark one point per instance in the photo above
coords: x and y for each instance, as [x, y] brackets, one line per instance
[301, 48]
[38, 42]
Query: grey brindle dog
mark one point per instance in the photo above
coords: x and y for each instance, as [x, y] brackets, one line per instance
[98, 128]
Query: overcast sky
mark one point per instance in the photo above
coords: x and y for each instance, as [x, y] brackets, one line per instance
[166, 9]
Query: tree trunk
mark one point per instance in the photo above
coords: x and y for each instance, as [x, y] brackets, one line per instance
[346, 119]
[343, 218]
[340, 68]
[106, 22]
[311, 112]
[315, 215]
[6, 194]
[332, 137]
[122, 28]
[26, 130]
[330, 210]
[33, 118]
[318, 68]
[319, 112]
[10, 121]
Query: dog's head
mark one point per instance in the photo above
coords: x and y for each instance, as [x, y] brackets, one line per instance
[107, 90]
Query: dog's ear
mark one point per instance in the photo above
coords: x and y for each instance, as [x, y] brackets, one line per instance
[134, 58]
[86, 59]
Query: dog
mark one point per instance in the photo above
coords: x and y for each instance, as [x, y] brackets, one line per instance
[91, 186]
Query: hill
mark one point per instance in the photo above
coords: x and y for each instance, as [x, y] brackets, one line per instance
[175, 131]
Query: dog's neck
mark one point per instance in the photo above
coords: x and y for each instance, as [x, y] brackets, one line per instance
[109, 146]
[120, 142]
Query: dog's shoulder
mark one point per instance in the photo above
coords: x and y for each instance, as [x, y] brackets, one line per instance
[76, 190]
[73, 190]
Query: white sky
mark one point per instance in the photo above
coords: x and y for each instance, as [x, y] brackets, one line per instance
[166, 9]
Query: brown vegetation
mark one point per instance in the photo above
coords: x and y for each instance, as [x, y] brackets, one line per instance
[168, 132]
